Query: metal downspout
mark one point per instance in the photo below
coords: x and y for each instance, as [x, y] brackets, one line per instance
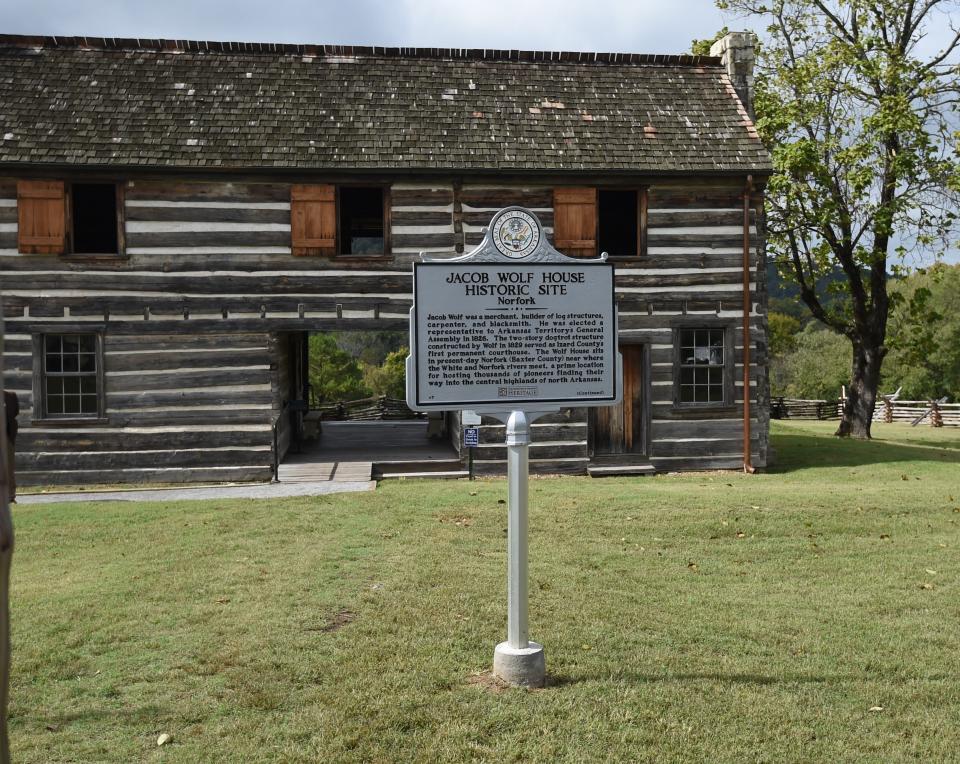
[747, 195]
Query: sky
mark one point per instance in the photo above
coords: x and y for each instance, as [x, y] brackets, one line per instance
[633, 26]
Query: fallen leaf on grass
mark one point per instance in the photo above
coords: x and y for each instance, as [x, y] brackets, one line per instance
[164, 739]
[904, 477]
[926, 585]
[223, 600]
[692, 566]
[876, 708]
[741, 534]
[884, 535]
[930, 572]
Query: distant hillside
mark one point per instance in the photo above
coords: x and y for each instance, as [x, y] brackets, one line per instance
[785, 294]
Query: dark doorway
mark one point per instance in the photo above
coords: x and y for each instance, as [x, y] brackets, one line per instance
[621, 431]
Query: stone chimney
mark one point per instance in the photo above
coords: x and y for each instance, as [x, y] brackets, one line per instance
[737, 51]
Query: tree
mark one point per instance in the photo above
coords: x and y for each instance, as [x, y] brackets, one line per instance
[389, 379]
[857, 115]
[925, 335]
[334, 374]
[782, 330]
[816, 367]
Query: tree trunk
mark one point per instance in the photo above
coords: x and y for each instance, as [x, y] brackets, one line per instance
[862, 396]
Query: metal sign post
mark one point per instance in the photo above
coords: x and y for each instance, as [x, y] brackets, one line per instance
[515, 330]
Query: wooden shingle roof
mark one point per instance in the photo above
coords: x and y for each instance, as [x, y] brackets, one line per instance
[203, 105]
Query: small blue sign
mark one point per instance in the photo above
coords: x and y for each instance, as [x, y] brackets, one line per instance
[471, 436]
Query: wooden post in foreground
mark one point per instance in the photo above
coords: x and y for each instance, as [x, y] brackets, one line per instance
[6, 557]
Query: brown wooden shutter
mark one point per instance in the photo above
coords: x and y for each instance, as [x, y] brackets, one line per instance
[41, 217]
[575, 221]
[313, 220]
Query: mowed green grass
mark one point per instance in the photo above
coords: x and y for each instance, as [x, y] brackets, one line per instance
[711, 617]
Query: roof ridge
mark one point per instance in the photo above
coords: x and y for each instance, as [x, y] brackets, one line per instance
[301, 49]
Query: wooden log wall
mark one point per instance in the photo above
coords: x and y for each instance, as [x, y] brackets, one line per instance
[212, 261]
[692, 276]
[181, 408]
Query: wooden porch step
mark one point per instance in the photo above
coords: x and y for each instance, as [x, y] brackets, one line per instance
[610, 470]
[390, 469]
[319, 472]
[433, 475]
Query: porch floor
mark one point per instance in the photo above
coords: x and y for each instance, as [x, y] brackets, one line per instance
[349, 450]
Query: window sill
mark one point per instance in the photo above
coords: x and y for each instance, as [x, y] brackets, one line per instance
[704, 408]
[71, 422]
[363, 258]
[93, 259]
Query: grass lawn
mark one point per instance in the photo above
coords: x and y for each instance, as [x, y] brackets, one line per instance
[807, 614]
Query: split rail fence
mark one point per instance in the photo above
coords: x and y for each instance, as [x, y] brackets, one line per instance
[365, 410]
[931, 413]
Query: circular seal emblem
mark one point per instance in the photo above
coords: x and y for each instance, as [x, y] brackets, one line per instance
[516, 233]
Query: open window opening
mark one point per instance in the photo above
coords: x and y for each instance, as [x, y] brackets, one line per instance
[361, 224]
[94, 214]
[618, 226]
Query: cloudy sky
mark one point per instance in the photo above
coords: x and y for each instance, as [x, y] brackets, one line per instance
[638, 26]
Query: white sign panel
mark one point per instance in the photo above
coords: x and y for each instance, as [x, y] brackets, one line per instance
[506, 334]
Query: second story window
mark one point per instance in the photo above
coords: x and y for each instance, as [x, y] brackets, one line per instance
[55, 218]
[618, 230]
[331, 221]
[361, 224]
[94, 217]
[588, 221]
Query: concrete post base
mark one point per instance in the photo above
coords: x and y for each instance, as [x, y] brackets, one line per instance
[520, 666]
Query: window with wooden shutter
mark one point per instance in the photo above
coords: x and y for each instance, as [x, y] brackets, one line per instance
[41, 217]
[575, 221]
[313, 220]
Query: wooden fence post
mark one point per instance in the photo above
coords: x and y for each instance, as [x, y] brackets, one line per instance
[936, 418]
[887, 411]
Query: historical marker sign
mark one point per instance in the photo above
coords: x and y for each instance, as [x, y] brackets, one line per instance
[515, 329]
[508, 334]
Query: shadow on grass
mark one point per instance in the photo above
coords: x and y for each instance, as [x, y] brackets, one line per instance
[804, 451]
[759, 680]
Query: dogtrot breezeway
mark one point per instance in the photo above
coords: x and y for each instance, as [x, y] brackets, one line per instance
[371, 450]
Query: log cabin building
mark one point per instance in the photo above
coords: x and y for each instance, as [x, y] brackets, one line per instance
[177, 216]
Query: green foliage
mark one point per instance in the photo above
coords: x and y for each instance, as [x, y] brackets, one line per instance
[816, 367]
[335, 375]
[924, 336]
[782, 330]
[702, 47]
[390, 378]
[370, 348]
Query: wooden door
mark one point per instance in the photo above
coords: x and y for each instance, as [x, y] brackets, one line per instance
[621, 430]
